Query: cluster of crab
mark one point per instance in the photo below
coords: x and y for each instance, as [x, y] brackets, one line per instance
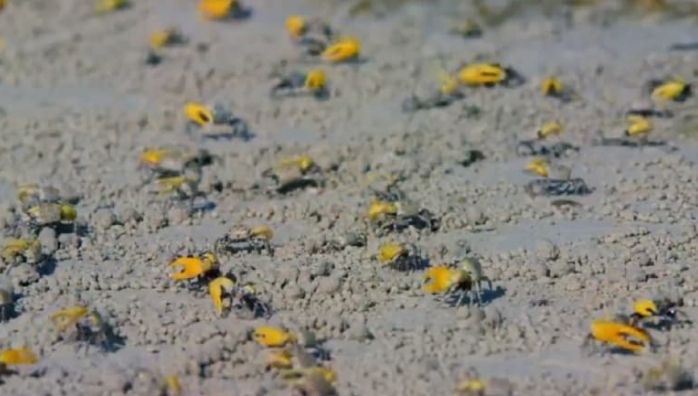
[630, 333]
[300, 362]
[227, 293]
[175, 171]
[458, 282]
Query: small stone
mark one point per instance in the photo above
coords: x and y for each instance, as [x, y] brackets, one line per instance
[177, 215]
[322, 269]
[546, 250]
[155, 220]
[329, 285]
[24, 274]
[294, 292]
[475, 216]
[48, 240]
[103, 219]
[559, 269]
[69, 241]
[129, 215]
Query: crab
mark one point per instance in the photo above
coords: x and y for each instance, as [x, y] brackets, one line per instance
[661, 314]
[313, 35]
[168, 36]
[214, 122]
[172, 161]
[313, 82]
[674, 89]
[552, 87]
[448, 93]
[617, 334]
[557, 187]
[50, 214]
[30, 195]
[467, 29]
[311, 381]
[242, 300]
[218, 10]
[294, 173]
[489, 75]
[245, 239]
[548, 129]
[538, 148]
[638, 126]
[401, 257]
[81, 324]
[344, 49]
[457, 283]
[23, 249]
[397, 216]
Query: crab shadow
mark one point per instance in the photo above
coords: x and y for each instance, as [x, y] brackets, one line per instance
[47, 266]
[486, 297]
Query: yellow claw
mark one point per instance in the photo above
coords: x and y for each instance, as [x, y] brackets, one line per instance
[153, 157]
[68, 317]
[18, 356]
[269, 336]
[380, 208]
[262, 232]
[68, 212]
[551, 86]
[173, 386]
[105, 6]
[638, 125]
[538, 166]
[620, 335]
[216, 288]
[14, 247]
[279, 359]
[302, 162]
[216, 9]
[387, 252]
[439, 279]
[3, 3]
[675, 89]
[171, 183]
[645, 308]
[198, 113]
[315, 80]
[449, 83]
[298, 376]
[478, 74]
[295, 26]
[548, 129]
[342, 50]
[192, 267]
[472, 386]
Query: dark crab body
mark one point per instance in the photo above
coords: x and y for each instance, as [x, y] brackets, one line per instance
[285, 181]
[246, 239]
[557, 187]
[536, 147]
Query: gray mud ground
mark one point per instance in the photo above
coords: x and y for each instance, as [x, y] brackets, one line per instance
[77, 106]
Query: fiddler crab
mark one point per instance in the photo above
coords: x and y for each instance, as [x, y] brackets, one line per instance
[243, 300]
[467, 29]
[299, 362]
[219, 10]
[401, 257]
[557, 187]
[245, 239]
[636, 134]
[458, 283]
[396, 216]
[313, 82]
[82, 324]
[317, 38]
[552, 87]
[16, 250]
[167, 161]
[448, 93]
[160, 39]
[661, 314]
[538, 147]
[674, 89]
[488, 75]
[199, 269]
[214, 122]
[43, 207]
[292, 174]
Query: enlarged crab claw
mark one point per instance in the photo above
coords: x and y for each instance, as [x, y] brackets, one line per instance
[216, 9]
[638, 125]
[216, 288]
[295, 26]
[17, 356]
[620, 335]
[387, 252]
[198, 113]
[380, 208]
[270, 336]
[672, 90]
[68, 317]
[538, 166]
[342, 50]
[438, 279]
[191, 267]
